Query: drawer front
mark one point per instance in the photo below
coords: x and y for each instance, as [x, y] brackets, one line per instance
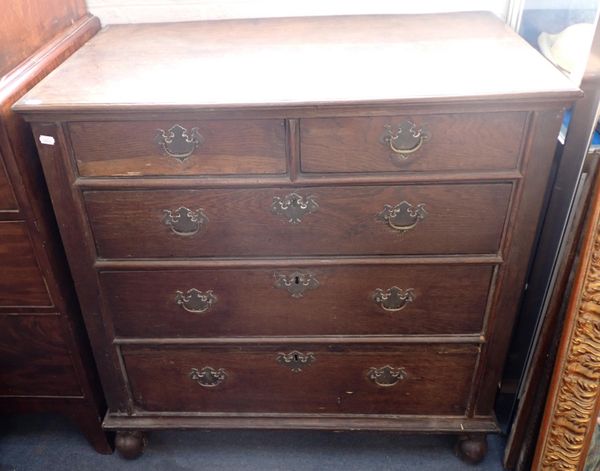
[355, 300]
[145, 148]
[21, 281]
[411, 219]
[416, 379]
[34, 357]
[7, 196]
[448, 143]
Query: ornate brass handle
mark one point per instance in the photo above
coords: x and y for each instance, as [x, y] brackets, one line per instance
[184, 221]
[402, 217]
[296, 283]
[295, 360]
[393, 299]
[195, 301]
[178, 142]
[293, 207]
[208, 377]
[404, 139]
[386, 376]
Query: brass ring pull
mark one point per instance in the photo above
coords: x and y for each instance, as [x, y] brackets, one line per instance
[405, 151]
[208, 377]
[404, 228]
[402, 217]
[394, 299]
[195, 301]
[386, 376]
[404, 139]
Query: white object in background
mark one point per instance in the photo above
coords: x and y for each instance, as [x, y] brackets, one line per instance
[155, 11]
[514, 13]
[569, 49]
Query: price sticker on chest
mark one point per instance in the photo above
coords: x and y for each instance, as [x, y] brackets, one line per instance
[47, 140]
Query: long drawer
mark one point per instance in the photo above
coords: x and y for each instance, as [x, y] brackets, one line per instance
[415, 379]
[408, 219]
[334, 300]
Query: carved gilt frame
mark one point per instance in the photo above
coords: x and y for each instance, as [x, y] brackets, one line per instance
[573, 400]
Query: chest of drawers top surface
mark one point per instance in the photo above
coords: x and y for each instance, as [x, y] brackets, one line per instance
[294, 61]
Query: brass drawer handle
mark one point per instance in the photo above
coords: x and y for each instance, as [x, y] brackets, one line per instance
[386, 376]
[295, 360]
[208, 377]
[296, 283]
[402, 217]
[393, 299]
[184, 221]
[195, 301]
[404, 139]
[178, 142]
[293, 207]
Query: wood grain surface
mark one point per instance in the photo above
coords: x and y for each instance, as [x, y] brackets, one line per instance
[26, 26]
[286, 61]
[456, 142]
[448, 299]
[460, 219]
[438, 379]
[8, 203]
[21, 280]
[228, 147]
[35, 358]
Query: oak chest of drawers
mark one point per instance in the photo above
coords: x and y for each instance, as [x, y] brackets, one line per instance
[300, 223]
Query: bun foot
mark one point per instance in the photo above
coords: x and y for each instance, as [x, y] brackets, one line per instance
[130, 444]
[471, 448]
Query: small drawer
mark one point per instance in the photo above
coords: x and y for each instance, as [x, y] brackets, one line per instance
[21, 281]
[422, 143]
[35, 358]
[415, 379]
[411, 219]
[152, 148]
[317, 300]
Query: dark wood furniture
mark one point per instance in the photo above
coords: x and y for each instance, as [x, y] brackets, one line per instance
[301, 223]
[45, 359]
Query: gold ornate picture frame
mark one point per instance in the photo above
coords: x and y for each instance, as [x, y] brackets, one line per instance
[573, 401]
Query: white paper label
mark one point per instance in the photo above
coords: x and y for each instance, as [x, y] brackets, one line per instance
[48, 140]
